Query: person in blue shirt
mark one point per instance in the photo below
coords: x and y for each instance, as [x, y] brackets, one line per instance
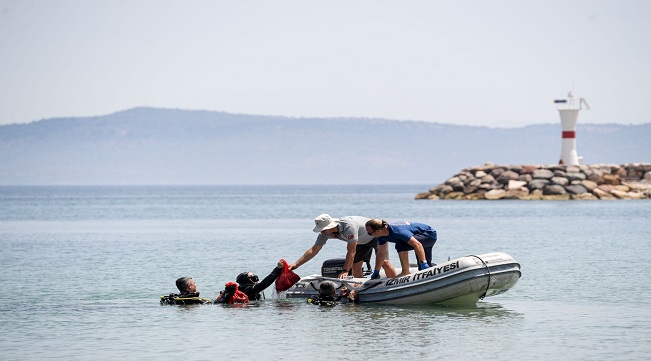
[407, 236]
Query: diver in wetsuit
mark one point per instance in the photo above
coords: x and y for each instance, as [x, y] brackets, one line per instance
[188, 295]
[250, 285]
[328, 295]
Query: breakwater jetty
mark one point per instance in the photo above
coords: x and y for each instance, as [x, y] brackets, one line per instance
[546, 182]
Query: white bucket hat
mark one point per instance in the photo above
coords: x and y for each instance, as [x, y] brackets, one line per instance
[324, 221]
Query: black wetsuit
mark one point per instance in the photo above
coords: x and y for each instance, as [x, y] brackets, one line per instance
[253, 290]
[183, 299]
[331, 300]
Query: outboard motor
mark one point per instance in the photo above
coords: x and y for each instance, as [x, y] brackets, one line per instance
[334, 266]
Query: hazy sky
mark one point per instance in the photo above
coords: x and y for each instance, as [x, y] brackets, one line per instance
[497, 63]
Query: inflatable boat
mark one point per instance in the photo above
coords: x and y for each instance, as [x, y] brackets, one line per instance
[461, 281]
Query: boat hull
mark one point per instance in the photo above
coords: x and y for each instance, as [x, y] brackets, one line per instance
[460, 281]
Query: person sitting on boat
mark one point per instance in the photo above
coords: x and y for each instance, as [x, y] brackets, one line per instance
[407, 236]
[250, 284]
[188, 293]
[360, 244]
[328, 295]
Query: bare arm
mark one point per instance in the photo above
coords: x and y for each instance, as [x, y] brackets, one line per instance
[381, 255]
[350, 256]
[308, 255]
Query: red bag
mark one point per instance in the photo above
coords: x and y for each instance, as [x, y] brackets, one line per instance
[286, 279]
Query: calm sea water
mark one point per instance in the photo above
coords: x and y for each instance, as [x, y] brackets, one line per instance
[83, 267]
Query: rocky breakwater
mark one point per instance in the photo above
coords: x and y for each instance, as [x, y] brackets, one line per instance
[546, 182]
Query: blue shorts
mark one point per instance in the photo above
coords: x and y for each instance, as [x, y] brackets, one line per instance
[426, 239]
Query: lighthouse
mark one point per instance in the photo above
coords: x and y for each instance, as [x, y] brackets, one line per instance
[569, 110]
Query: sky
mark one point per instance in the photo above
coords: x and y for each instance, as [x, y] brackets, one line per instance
[498, 63]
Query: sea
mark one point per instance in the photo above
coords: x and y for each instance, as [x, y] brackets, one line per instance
[83, 269]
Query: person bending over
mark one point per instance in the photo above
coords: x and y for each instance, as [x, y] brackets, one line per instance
[407, 236]
[359, 244]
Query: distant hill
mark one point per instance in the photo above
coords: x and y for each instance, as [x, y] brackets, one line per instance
[165, 146]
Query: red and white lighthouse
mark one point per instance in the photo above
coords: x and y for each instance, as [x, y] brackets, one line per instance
[569, 110]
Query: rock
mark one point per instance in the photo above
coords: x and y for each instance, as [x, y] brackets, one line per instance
[474, 182]
[515, 184]
[536, 194]
[423, 195]
[620, 194]
[575, 176]
[455, 183]
[636, 195]
[605, 169]
[445, 191]
[620, 172]
[528, 169]
[576, 189]
[589, 185]
[553, 189]
[457, 186]
[495, 194]
[610, 179]
[556, 197]
[496, 172]
[525, 177]
[538, 184]
[555, 167]
[517, 193]
[596, 177]
[633, 173]
[584, 197]
[602, 194]
[507, 176]
[622, 187]
[486, 186]
[561, 181]
[441, 188]
[560, 173]
[543, 174]
[473, 196]
[642, 187]
[547, 182]
[454, 195]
